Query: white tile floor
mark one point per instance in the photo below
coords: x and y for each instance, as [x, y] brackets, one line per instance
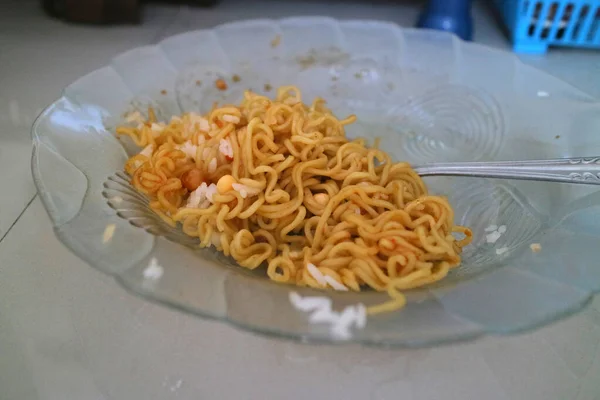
[67, 331]
[35, 65]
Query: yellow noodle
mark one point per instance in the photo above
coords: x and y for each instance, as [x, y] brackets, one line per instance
[308, 195]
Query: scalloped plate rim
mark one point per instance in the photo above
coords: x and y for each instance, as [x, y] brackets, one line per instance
[35, 136]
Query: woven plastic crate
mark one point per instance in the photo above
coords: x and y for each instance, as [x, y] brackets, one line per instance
[535, 25]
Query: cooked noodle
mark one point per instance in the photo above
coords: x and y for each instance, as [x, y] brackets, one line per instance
[277, 182]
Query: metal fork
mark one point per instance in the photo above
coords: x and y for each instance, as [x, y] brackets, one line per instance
[567, 170]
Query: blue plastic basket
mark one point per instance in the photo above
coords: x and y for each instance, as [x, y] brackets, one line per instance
[535, 25]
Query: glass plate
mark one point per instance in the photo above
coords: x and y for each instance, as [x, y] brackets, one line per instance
[428, 95]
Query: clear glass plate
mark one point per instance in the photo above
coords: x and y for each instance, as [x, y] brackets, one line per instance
[428, 95]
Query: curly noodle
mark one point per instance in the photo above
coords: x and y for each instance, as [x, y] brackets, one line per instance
[278, 182]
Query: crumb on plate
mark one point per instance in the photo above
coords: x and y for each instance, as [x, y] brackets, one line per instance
[535, 247]
[501, 250]
[236, 78]
[321, 312]
[153, 271]
[276, 41]
[268, 87]
[491, 228]
[221, 84]
[163, 91]
[493, 237]
[109, 231]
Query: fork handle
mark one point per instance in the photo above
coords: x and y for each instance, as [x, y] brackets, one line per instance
[568, 170]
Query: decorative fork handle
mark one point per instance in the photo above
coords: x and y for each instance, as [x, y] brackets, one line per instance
[568, 170]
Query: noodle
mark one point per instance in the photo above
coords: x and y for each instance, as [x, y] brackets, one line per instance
[277, 182]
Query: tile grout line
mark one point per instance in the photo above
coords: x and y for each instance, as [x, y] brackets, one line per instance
[18, 217]
[158, 35]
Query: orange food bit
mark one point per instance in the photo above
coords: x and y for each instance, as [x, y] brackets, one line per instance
[321, 198]
[225, 184]
[221, 84]
[261, 239]
[192, 179]
[387, 244]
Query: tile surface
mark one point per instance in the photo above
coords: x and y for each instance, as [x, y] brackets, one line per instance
[69, 331]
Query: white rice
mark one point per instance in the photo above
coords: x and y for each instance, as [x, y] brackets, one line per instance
[135, 116]
[212, 166]
[361, 316]
[309, 303]
[323, 315]
[211, 191]
[296, 300]
[244, 190]
[215, 238]
[335, 284]
[199, 121]
[202, 196]
[341, 327]
[153, 271]
[491, 228]
[225, 148]
[147, 151]
[315, 273]
[321, 312]
[357, 211]
[348, 316]
[198, 198]
[109, 231]
[501, 250]
[157, 128]
[493, 237]
[502, 229]
[341, 332]
[231, 118]
[175, 118]
[189, 149]
[205, 153]
[351, 315]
